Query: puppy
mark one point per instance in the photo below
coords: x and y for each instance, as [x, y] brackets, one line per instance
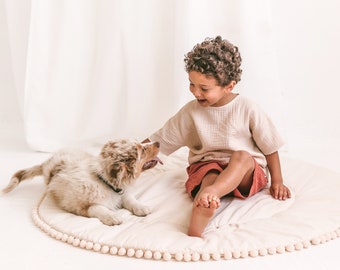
[94, 186]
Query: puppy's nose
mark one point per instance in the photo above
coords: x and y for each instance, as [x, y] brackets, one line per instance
[157, 144]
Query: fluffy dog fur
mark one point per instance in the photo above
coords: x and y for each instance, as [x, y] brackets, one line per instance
[94, 186]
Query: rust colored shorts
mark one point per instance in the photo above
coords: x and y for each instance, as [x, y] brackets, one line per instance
[197, 171]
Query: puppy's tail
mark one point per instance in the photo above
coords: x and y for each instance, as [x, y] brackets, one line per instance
[22, 175]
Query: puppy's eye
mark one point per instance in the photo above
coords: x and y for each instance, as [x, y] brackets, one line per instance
[127, 160]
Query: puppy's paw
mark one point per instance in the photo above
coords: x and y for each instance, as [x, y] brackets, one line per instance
[111, 220]
[141, 210]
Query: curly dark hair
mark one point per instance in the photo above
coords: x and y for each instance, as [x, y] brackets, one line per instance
[215, 57]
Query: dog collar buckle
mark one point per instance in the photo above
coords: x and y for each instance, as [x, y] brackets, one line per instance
[117, 190]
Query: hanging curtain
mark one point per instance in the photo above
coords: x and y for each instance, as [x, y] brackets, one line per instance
[106, 69]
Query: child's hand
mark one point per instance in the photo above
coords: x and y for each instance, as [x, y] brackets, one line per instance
[280, 191]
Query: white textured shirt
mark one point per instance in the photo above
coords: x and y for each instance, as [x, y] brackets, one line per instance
[214, 133]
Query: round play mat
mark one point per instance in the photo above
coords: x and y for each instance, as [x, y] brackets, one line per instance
[257, 226]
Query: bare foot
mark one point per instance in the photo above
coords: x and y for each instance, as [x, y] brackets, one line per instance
[205, 199]
[200, 218]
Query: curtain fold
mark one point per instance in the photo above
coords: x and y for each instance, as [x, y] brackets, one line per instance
[98, 70]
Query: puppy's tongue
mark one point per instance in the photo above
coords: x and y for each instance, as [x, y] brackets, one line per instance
[158, 160]
[152, 163]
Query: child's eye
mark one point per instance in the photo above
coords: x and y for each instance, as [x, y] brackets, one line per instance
[204, 89]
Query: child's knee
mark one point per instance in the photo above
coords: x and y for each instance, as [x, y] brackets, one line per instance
[242, 156]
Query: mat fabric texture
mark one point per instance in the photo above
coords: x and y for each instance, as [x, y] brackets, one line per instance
[257, 226]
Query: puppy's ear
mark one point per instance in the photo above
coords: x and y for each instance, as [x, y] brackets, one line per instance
[105, 153]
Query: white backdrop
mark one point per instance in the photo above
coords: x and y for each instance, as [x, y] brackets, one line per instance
[104, 69]
[85, 71]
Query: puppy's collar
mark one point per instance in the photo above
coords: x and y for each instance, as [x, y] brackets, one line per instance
[117, 190]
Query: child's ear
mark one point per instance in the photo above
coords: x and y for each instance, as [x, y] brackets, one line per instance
[230, 86]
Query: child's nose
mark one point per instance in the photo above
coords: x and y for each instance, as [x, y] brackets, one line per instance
[195, 92]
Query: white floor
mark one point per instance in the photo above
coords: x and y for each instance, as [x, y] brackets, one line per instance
[24, 246]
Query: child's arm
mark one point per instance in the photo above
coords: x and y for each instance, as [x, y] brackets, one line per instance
[277, 189]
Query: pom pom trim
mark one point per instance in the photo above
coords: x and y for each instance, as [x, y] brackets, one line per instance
[185, 256]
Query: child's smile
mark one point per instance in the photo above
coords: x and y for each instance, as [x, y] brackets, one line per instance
[207, 91]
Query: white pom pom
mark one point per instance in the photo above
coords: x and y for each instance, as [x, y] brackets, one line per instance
[148, 254]
[263, 252]
[254, 253]
[139, 253]
[280, 249]
[167, 256]
[298, 246]
[236, 254]
[59, 236]
[195, 257]
[76, 242]
[53, 233]
[216, 256]
[89, 245]
[122, 251]
[271, 250]
[82, 243]
[64, 237]
[306, 244]
[316, 241]
[205, 256]
[322, 239]
[157, 255]
[105, 249]
[113, 250]
[187, 257]
[290, 248]
[244, 254]
[130, 252]
[228, 255]
[45, 227]
[179, 256]
[97, 247]
[70, 239]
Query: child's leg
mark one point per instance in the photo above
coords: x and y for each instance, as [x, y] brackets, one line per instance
[238, 174]
[201, 215]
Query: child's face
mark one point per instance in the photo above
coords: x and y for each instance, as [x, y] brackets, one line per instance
[207, 91]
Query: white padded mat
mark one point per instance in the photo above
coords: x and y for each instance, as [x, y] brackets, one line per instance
[257, 226]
